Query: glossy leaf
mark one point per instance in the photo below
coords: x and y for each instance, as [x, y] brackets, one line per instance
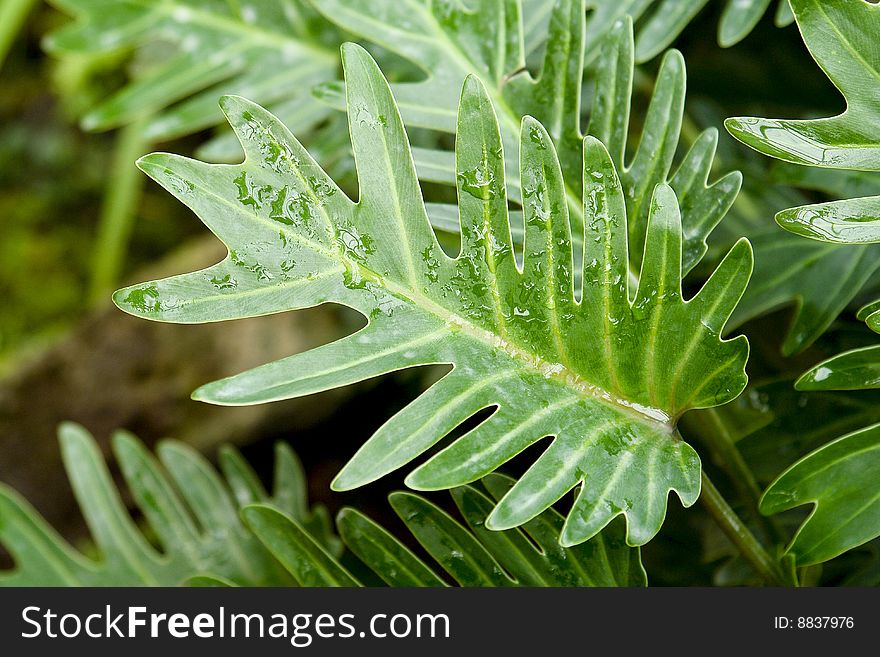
[187, 506]
[840, 479]
[858, 369]
[390, 559]
[851, 221]
[841, 36]
[591, 372]
[820, 280]
[443, 40]
[775, 425]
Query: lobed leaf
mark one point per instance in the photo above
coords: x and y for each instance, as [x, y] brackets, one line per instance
[442, 40]
[586, 365]
[271, 51]
[840, 480]
[184, 502]
[841, 36]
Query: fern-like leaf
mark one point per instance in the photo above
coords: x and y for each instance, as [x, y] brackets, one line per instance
[592, 372]
[442, 40]
[469, 554]
[190, 510]
[268, 50]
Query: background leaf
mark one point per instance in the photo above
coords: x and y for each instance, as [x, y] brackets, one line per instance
[187, 507]
[840, 479]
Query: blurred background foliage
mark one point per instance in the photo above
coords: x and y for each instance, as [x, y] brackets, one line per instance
[65, 354]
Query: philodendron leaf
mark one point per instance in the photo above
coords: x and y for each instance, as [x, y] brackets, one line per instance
[532, 554]
[841, 36]
[819, 279]
[268, 50]
[666, 19]
[606, 374]
[841, 480]
[442, 39]
[858, 369]
[470, 555]
[390, 559]
[187, 506]
[303, 557]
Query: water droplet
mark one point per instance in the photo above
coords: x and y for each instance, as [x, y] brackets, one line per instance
[479, 183]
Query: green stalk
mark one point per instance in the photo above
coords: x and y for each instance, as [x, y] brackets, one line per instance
[13, 14]
[727, 456]
[734, 528]
[121, 198]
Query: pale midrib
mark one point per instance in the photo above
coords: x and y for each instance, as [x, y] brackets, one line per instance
[566, 377]
[555, 327]
[395, 196]
[654, 327]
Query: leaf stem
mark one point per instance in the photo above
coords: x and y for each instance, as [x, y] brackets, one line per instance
[739, 534]
[727, 456]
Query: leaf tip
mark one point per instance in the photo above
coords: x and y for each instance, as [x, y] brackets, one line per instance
[70, 432]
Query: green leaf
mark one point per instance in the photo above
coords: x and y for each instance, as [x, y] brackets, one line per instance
[840, 479]
[841, 37]
[858, 369]
[665, 20]
[851, 221]
[187, 506]
[303, 557]
[821, 280]
[383, 553]
[444, 41]
[208, 581]
[739, 19]
[783, 424]
[591, 372]
[472, 556]
[450, 544]
[270, 51]
[532, 554]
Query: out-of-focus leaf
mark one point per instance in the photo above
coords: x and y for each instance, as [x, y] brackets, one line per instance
[186, 504]
[272, 51]
[820, 279]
